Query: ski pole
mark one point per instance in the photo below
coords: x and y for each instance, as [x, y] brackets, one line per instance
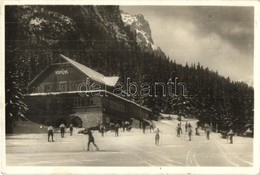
[161, 139]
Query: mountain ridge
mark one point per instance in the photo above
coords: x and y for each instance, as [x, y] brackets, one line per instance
[143, 33]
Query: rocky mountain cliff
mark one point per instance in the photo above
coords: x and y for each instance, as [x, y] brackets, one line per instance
[58, 23]
[142, 32]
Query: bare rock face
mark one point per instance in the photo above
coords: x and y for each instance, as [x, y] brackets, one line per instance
[142, 32]
[92, 25]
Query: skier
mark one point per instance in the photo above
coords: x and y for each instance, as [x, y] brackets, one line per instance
[102, 129]
[179, 130]
[127, 124]
[90, 139]
[144, 126]
[50, 133]
[186, 126]
[62, 129]
[123, 126]
[196, 131]
[189, 130]
[157, 136]
[71, 129]
[207, 130]
[117, 126]
[231, 134]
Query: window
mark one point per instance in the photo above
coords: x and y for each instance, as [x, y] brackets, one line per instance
[63, 86]
[82, 101]
[73, 86]
[78, 102]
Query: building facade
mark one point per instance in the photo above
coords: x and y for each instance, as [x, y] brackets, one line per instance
[70, 92]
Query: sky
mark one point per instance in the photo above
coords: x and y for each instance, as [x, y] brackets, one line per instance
[220, 38]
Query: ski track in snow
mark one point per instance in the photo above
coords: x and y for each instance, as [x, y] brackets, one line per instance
[224, 154]
[191, 156]
[131, 148]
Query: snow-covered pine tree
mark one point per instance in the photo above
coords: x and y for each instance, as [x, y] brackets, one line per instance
[15, 106]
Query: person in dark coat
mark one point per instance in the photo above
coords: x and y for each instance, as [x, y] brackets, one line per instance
[179, 130]
[123, 126]
[91, 139]
[186, 126]
[144, 126]
[189, 130]
[207, 130]
[71, 129]
[117, 126]
[50, 133]
[157, 136]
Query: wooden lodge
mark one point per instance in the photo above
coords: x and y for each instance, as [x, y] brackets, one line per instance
[61, 93]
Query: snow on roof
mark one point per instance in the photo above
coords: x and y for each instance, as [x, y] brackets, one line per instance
[61, 93]
[94, 75]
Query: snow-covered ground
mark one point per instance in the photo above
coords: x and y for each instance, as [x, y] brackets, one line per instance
[130, 149]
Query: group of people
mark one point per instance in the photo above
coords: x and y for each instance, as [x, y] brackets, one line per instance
[114, 127]
[126, 126]
[62, 127]
[188, 130]
[150, 124]
[207, 129]
[102, 128]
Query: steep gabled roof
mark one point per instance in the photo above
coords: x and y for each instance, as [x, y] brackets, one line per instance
[37, 77]
[94, 75]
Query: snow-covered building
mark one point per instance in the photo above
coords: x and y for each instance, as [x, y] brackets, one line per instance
[74, 93]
